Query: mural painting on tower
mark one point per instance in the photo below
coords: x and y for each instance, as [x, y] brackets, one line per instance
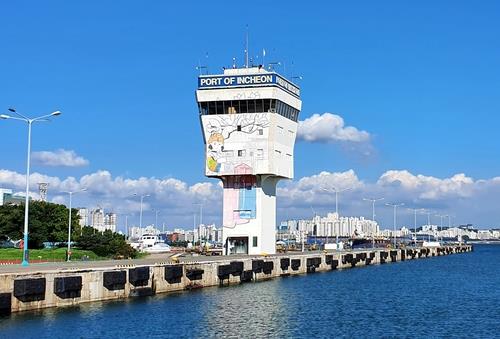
[221, 130]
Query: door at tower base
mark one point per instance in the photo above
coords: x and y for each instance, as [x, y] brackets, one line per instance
[237, 245]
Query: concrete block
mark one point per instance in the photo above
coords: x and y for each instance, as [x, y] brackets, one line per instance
[32, 289]
[295, 264]
[139, 276]
[174, 273]
[284, 263]
[68, 287]
[114, 280]
[268, 267]
[246, 276]
[257, 265]
[236, 268]
[5, 303]
[194, 274]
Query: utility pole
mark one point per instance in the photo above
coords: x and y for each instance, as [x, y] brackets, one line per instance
[336, 191]
[395, 206]
[373, 201]
[415, 210]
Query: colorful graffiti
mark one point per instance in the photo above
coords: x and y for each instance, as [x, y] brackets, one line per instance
[240, 199]
[220, 129]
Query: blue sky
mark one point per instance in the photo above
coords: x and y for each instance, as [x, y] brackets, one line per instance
[421, 78]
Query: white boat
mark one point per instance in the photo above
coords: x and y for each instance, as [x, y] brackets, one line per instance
[159, 247]
[431, 244]
[151, 243]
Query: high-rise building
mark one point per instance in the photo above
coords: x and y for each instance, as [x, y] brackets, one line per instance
[9, 198]
[97, 219]
[333, 225]
[249, 120]
[110, 221]
[83, 213]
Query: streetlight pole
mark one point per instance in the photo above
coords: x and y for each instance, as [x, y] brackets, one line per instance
[336, 191]
[415, 210]
[395, 206]
[68, 258]
[29, 121]
[373, 201]
[201, 220]
[140, 215]
[441, 217]
[424, 211]
[156, 218]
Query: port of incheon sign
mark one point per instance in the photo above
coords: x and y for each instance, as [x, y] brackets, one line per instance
[247, 80]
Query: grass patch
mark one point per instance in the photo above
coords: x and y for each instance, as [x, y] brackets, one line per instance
[46, 254]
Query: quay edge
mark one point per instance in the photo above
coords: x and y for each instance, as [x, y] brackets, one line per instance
[35, 290]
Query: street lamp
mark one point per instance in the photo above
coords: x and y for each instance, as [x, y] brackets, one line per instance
[156, 217]
[428, 212]
[415, 210]
[336, 191]
[140, 215]
[69, 220]
[441, 216]
[201, 220]
[395, 206]
[29, 121]
[373, 201]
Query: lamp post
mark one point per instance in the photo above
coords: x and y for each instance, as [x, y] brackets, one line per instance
[449, 224]
[29, 121]
[336, 191]
[156, 218]
[140, 215]
[395, 206]
[68, 258]
[428, 212]
[441, 217]
[199, 224]
[415, 210]
[373, 201]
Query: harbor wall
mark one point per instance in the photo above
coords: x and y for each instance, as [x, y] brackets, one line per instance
[34, 290]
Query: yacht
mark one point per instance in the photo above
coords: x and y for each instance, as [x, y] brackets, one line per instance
[151, 243]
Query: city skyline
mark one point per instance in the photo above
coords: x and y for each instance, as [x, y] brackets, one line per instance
[403, 111]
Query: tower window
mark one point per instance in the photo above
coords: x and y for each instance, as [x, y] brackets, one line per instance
[254, 242]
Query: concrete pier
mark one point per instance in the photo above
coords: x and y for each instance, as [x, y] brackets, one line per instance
[39, 286]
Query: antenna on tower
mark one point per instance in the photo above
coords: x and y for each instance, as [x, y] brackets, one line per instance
[42, 189]
[246, 48]
[200, 67]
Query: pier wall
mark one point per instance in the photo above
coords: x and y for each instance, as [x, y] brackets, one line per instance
[33, 290]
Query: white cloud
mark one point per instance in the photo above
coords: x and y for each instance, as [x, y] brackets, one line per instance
[468, 199]
[173, 197]
[60, 157]
[329, 127]
[427, 187]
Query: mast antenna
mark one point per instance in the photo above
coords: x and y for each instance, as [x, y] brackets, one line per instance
[246, 48]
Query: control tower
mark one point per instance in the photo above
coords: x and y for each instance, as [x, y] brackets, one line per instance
[249, 120]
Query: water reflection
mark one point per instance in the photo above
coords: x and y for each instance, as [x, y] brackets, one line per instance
[261, 307]
[439, 297]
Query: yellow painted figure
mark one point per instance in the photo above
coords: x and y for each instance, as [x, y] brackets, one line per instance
[215, 148]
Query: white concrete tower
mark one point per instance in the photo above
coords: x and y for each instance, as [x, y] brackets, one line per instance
[249, 120]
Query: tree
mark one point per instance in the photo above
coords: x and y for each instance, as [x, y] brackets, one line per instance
[48, 222]
[105, 244]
